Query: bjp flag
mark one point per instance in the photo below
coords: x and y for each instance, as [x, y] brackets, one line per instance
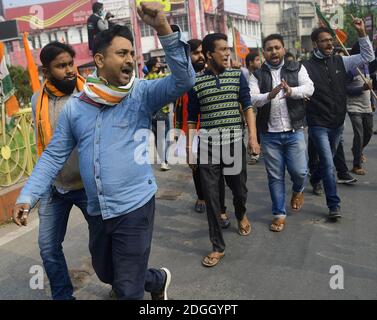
[240, 46]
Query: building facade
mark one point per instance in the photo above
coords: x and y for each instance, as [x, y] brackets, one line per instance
[66, 21]
[296, 26]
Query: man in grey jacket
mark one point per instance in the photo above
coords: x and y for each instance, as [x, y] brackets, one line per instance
[359, 108]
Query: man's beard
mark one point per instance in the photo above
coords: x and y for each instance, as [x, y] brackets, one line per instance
[199, 66]
[64, 86]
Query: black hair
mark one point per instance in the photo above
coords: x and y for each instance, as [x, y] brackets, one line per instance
[194, 44]
[103, 39]
[97, 6]
[151, 63]
[50, 51]
[316, 32]
[250, 58]
[209, 40]
[289, 55]
[274, 36]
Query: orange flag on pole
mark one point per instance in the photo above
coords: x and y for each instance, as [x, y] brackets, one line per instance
[239, 44]
[11, 103]
[31, 66]
[342, 36]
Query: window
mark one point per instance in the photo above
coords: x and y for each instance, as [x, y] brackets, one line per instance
[81, 37]
[9, 46]
[36, 42]
[182, 22]
[146, 56]
[33, 44]
[146, 30]
[306, 22]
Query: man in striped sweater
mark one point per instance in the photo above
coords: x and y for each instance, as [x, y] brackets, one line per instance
[216, 97]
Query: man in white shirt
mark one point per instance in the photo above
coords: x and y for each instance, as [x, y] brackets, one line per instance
[279, 90]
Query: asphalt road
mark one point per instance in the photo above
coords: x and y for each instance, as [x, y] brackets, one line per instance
[294, 264]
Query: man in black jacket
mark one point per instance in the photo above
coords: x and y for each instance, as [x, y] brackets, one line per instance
[326, 109]
[97, 22]
[278, 91]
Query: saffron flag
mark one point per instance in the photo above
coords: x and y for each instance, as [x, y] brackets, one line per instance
[31, 66]
[208, 6]
[342, 36]
[338, 33]
[8, 90]
[240, 46]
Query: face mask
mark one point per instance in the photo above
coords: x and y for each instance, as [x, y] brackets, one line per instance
[65, 86]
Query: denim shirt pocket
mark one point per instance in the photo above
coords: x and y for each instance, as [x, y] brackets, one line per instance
[120, 120]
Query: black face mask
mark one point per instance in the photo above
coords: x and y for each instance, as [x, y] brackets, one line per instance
[199, 66]
[65, 86]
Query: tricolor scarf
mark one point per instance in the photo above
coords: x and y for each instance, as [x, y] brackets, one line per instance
[43, 124]
[100, 91]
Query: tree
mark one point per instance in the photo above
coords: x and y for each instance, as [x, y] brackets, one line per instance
[356, 11]
[349, 10]
[21, 81]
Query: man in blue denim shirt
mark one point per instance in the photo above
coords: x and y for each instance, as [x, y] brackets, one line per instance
[102, 123]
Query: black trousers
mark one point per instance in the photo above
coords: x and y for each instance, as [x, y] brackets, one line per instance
[199, 192]
[211, 175]
[362, 124]
[120, 250]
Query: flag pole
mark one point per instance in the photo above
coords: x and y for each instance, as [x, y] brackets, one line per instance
[333, 33]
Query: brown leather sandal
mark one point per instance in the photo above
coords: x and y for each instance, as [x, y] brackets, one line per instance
[244, 229]
[359, 171]
[297, 200]
[277, 225]
[212, 259]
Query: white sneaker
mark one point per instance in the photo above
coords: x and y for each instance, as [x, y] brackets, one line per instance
[164, 166]
[163, 294]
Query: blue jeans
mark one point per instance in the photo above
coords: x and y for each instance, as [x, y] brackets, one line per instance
[54, 211]
[326, 141]
[284, 150]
